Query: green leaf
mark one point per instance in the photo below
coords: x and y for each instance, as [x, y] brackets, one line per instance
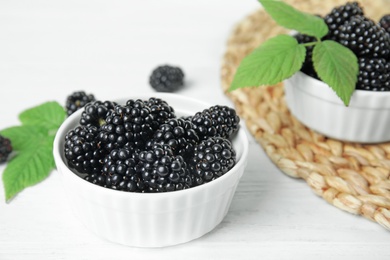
[49, 115]
[272, 62]
[337, 66]
[21, 136]
[291, 18]
[29, 167]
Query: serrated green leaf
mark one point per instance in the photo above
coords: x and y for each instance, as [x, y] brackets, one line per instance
[272, 62]
[49, 115]
[29, 167]
[337, 66]
[23, 137]
[291, 18]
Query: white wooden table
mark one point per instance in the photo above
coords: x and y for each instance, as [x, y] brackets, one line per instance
[49, 49]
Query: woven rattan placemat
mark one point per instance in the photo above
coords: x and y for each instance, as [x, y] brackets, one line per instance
[352, 177]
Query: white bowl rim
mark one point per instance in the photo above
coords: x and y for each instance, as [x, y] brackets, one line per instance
[241, 135]
[325, 92]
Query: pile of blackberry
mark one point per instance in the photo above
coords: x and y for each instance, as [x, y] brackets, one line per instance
[142, 146]
[369, 40]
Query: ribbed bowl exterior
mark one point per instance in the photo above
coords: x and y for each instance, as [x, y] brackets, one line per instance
[155, 219]
[316, 105]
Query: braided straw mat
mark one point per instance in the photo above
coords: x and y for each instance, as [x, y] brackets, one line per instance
[350, 176]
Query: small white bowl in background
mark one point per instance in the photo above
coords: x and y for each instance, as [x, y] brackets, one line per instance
[151, 219]
[316, 105]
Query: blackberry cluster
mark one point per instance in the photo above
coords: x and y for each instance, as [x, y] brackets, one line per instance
[5, 148]
[370, 41]
[163, 171]
[216, 121]
[142, 146]
[374, 74]
[160, 109]
[166, 78]
[339, 15]
[179, 134]
[95, 113]
[365, 38]
[77, 100]
[128, 126]
[212, 158]
[83, 151]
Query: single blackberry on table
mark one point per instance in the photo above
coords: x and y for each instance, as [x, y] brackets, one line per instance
[5, 148]
[179, 134]
[384, 22]
[339, 15]
[162, 171]
[77, 100]
[365, 38]
[95, 113]
[307, 66]
[160, 109]
[129, 126]
[374, 74]
[121, 171]
[83, 151]
[212, 158]
[166, 78]
[216, 121]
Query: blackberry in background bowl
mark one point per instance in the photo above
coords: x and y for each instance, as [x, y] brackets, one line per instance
[148, 219]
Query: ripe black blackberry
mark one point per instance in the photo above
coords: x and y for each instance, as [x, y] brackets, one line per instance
[121, 171]
[96, 178]
[212, 158]
[83, 151]
[307, 66]
[179, 134]
[77, 100]
[95, 113]
[365, 38]
[129, 126]
[166, 78]
[160, 109]
[384, 22]
[216, 121]
[5, 148]
[162, 171]
[339, 15]
[374, 74]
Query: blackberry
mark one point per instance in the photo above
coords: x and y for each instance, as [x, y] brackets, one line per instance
[121, 171]
[166, 78]
[96, 178]
[212, 158]
[374, 74]
[160, 109]
[95, 113]
[77, 100]
[83, 151]
[339, 15]
[365, 38]
[179, 134]
[384, 22]
[307, 66]
[216, 121]
[129, 126]
[5, 148]
[162, 171]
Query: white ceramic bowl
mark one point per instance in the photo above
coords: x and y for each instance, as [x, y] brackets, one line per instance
[316, 105]
[151, 219]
